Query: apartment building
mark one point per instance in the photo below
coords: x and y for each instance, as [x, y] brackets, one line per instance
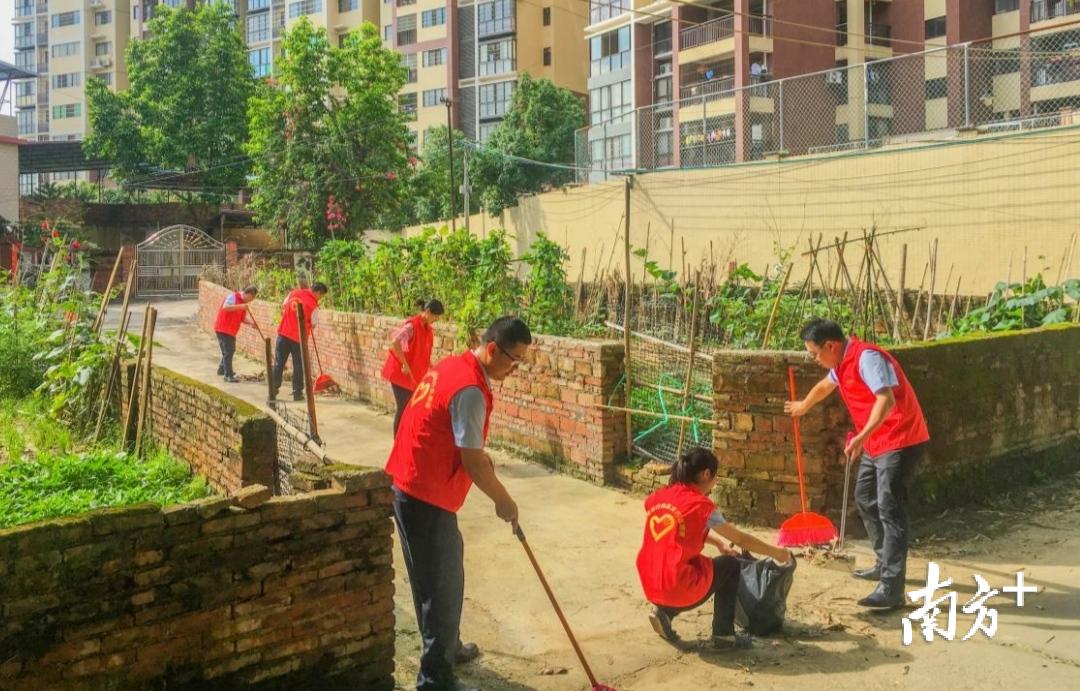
[65, 42]
[471, 53]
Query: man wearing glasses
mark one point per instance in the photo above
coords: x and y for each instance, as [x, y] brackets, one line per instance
[438, 455]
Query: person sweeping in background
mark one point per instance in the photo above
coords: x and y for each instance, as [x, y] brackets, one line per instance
[288, 340]
[675, 575]
[890, 440]
[409, 355]
[231, 315]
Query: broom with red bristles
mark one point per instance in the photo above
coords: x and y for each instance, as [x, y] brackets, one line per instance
[804, 528]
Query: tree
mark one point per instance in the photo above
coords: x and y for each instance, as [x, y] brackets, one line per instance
[540, 126]
[429, 187]
[330, 148]
[186, 105]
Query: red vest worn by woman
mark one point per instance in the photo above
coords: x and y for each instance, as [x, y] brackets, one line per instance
[672, 569]
[418, 355]
[904, 426]
[228, 323]
[425, 462]
[288, 326]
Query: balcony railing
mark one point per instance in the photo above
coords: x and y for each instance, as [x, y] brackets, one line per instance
[24, 41]
[711, 90]
[709, 32]
[25, 100]
[1055, 71]
[874, 34]
[490, 67]
[43, 38]
[1041, 10]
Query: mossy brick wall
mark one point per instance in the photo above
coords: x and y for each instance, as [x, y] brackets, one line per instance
[220, 594]
[226, 440]
[546, 409]
[1000, 408]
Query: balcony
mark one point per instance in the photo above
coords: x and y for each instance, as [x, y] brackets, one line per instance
[711, 90]
[1059, 70]
[495, 27]
[101, 62]
[873, 34]
[43, 38]
[1043, 10]
[24, 41]
[25, 101]
[710, 32]
[24, 10]
[43, 8]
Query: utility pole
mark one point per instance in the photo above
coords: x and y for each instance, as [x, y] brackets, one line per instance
[450, 140]
[465, 186]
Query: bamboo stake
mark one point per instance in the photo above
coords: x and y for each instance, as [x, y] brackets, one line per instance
[305, 359]
[627, 381]
[298, 435]
[114, 366]
[126, 436]
[918, 298]
[776, 305]
[955, 299]
[269, 358]
[144, 403]
[96, 328]
[671, 248]
[580, 286]
[945, 295]
[689, 367]
[900, 316]
[930, 294]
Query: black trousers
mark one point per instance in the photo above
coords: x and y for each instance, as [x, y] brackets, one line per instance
[725, 586]
[433, 550]
[283, 350]
[882, 494]
[227, 344]
[401, 398]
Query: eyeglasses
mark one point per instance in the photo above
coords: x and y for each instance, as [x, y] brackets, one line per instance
[515, 360]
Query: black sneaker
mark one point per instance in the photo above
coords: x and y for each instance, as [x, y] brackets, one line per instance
[220, 370]
[661, 623]
[871, 574]
[883, 597]
[466, 652]
[231, 378]
[298, 396]
[735, 641]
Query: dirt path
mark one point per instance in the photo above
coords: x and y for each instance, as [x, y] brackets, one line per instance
[586, 539]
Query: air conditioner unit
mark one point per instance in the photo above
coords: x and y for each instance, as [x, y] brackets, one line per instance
[834, 77]
[100, 62]
[665, 69]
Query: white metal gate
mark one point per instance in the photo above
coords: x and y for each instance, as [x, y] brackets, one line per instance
[172, 259]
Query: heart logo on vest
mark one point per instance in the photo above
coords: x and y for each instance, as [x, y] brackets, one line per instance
[660, 526]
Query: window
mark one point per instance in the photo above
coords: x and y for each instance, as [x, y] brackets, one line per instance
[406, 30]
[135, 12]
[407, 105]
[299, 9]
[28, 184]
[1006, 61]
[495, 99]
[67, 81]
[24, 88]
[103, 48]
[388, 32]
[1002, 6]
[434, 97]
[434, 57]
[24, 59]
[547, 57]
[258, 27]
[610, 51]
[63, 50]
[24, 8]
[937, 88]
[348, 5]
[547, 16]
[436, 17]
[342, 39]
[409, 60]
[495, 17]
[599, 10]
[610, 102]
[107, 78]
[260, 62]
[486, 128]
[102, 18]
[71, 110]
[255, 5]
[26, 121]
[404, 3]
[935, 28]
[497, 57]
[65, 19]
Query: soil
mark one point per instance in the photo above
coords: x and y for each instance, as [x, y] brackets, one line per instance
[586, 539]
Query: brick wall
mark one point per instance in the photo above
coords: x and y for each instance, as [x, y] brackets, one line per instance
[1000, 409]
[248, 592]
[546, 409]
[224, 439]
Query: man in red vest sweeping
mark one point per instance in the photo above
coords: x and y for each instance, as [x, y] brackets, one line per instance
[288, 341]
[409, 355]
[890, 441]
[438, 455]
[230, 317]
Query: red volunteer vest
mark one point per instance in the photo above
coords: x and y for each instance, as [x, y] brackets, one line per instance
[672, 569]
[288, 326]
[229, 322]
[418, 355]
[904, 426]
[425, 463]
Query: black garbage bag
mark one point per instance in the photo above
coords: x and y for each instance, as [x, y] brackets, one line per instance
[761, 601]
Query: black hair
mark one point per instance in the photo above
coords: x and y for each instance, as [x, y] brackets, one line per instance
[433, 306]
[820, 331]
[690, 464]
[507, 332]
[250, 290]
[319, 287]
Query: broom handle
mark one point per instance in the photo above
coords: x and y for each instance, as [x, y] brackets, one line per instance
[316, 345]
[798, 439]
[256, 324]
[558, 610]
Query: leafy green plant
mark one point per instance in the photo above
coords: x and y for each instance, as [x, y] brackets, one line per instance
[548, 297]
[1020, 306]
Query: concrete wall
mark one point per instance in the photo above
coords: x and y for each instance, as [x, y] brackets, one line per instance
[547, 409]
[9, 168]
[999, 195]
